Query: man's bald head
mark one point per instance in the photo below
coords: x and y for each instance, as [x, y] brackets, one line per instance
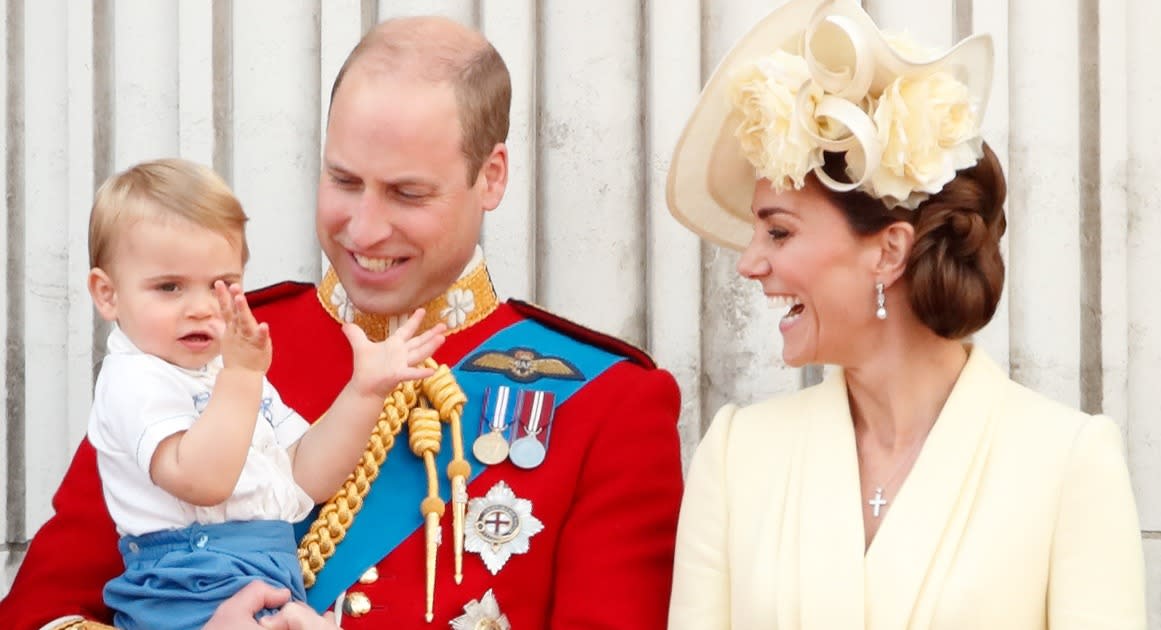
[439, 50]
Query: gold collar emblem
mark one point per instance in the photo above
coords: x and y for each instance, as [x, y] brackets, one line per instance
[469, 300]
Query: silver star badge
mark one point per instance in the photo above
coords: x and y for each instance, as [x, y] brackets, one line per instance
[500, 524]
[483, 614]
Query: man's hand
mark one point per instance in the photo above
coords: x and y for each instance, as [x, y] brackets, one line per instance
[298, 616]
[245, 342]
[379, 367]
[237, 613]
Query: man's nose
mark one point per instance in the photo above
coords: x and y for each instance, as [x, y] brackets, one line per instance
[370, 221]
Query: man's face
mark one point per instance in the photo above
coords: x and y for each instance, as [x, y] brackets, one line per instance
[396, 215]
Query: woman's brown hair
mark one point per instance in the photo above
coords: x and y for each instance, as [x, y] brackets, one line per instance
[955, 270]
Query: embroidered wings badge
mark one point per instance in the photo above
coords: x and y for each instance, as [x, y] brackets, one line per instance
[523, 365]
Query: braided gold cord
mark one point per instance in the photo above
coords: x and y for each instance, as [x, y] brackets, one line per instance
[421, 405]
[82, 624]
[335, 518]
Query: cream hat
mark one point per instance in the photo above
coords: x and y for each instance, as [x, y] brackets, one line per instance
[818, 76]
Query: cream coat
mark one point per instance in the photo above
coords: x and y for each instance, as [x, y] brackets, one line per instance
[1018, 514]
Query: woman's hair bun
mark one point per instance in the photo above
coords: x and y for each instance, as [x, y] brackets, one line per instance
[956, 272]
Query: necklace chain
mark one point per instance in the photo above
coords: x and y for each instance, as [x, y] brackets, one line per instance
[878, 501]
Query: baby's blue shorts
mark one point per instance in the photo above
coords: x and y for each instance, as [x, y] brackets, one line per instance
[176, 579]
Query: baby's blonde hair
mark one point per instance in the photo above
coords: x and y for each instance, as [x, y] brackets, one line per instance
[163, 189]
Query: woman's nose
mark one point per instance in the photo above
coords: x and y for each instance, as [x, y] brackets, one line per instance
[751, 264]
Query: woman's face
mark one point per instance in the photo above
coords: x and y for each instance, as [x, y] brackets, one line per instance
[815, 269]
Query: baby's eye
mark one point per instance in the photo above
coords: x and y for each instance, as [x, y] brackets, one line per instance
[167, 287]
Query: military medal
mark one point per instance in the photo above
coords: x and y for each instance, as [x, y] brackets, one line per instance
[528, 452]
[500, 524]
[529, 449]
[482, 614]
[492, 447]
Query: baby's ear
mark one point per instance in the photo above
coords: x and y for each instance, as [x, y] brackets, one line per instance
[104, 293]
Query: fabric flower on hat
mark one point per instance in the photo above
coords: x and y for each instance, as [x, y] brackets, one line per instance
[929, 129]
[901, 145]
[766, 94]
[906, 46]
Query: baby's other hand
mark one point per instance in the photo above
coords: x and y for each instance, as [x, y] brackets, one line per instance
[245, 342]
[380, 366]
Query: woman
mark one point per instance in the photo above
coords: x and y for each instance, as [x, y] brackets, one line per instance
[916, 487]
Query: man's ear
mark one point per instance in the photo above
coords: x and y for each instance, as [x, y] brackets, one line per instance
[104, 293]
[494, 176]
[893, 244]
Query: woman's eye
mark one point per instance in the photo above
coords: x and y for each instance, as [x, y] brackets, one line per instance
[778, 234]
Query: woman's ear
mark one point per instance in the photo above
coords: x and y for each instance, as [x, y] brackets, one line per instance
[894, 244]
[104, 293]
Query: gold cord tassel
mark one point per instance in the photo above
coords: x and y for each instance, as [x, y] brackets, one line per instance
[424, 434]
[446, 396]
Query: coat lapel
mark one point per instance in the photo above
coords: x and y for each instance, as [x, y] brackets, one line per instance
[831, 529]
[915, 543]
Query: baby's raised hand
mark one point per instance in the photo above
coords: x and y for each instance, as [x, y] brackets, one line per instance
[245, 342]
[380, 366]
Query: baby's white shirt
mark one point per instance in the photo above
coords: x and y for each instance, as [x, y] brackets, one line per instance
[140, 400]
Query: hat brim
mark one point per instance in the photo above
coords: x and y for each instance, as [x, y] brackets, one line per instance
[711, 184]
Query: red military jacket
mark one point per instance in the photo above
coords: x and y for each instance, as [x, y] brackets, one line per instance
[606, 495]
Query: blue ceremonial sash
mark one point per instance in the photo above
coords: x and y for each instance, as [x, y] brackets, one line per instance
[390, 512]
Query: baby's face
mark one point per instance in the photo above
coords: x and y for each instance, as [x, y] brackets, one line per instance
[163, 274]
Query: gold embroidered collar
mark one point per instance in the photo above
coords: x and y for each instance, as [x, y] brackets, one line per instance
[470, 299]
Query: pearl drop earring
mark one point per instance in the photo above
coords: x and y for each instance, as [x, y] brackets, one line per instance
[880, 301]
